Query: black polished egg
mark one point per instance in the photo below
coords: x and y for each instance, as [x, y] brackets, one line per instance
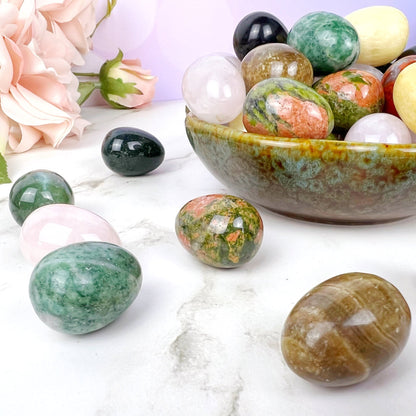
[130, 151]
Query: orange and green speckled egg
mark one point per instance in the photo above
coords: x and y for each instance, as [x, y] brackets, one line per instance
[352, 94]
[287, 108]
[220, 230]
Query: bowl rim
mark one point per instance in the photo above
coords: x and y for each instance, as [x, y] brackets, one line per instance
[222, 131]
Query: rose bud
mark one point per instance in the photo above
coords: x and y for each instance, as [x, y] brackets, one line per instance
[125, 84]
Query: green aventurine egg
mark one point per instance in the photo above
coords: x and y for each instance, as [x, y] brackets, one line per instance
[85, 286]
[36, 189]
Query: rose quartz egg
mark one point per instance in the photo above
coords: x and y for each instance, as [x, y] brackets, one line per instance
[213, 88]
[379, 128]
[53, 226]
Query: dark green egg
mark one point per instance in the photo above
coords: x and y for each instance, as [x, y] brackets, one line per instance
[36, 189]
[129, 151]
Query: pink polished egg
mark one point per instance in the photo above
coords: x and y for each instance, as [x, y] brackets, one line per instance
[53, 226]
[379, 128]
[213, 88]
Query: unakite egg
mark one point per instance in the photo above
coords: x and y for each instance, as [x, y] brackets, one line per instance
[220, 230]
[352, 94]
[84, 286]
[287, 108]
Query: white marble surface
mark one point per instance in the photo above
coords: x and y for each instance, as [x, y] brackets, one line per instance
[197, 340]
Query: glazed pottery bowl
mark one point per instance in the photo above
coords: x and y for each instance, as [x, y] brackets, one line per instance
[317, 180]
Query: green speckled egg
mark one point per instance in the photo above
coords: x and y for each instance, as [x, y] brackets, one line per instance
[352, 94]
[85, 286]
[220, 230]
[287, 108]
[329, 41]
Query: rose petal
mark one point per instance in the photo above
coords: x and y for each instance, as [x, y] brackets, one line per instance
[24, 139]
[4, 132]
[6, 67]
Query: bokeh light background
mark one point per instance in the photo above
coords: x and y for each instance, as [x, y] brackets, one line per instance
[168, 35]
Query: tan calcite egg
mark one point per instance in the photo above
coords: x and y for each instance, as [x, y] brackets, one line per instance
[383, 32]
[346, 329]
[404, 96]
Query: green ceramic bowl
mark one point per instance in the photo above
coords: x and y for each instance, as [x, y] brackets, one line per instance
[316, 180]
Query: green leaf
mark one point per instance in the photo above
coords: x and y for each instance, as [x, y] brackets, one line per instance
[4, 178]
[113, 86]
[110, 6]
[86, 89]
[118, 87]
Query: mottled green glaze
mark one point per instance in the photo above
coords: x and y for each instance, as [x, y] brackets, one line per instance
[318, 180]
[329, 41]
[36, 189]
[85, 286]
[287, 108]
[220, 230]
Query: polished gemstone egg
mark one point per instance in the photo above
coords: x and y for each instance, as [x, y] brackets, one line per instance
[287, 108]
[383, 33]
[53, 226]
[404, 96]
[346, 329]
[131, 152]
[213, 88]
[256, 29]
[83, 287]
[329, 41]
[389, 79]
[35, 189]
[352, 94]
[275, 60]
[220, 230]
[367, 68]
[379, 128]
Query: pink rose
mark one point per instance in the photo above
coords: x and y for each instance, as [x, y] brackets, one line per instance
[125, 84]
[39, 107]
[74, 18]
[15, 23]
[38, 91]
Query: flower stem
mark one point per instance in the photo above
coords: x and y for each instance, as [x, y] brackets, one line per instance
[85, 89]
[86, 74]
[110, 6]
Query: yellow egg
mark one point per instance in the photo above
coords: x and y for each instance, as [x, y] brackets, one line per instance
[404, 96]
[383, 32]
